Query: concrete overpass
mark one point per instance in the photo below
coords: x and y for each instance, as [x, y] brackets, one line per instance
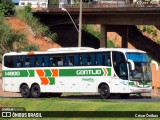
[112, 19]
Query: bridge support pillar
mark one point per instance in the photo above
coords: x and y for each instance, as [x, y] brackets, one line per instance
[125, 37]
[103, 41]
[122, 30]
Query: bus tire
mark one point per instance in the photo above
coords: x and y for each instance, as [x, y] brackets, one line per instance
[104, 91]
[35, 91]
[25, 92]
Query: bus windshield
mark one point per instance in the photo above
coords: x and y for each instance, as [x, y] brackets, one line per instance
[142, 70]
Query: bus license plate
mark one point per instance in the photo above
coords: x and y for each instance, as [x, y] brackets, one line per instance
[143, 90]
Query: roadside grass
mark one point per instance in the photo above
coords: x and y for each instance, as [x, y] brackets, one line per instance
[60, 104]
[39, 29]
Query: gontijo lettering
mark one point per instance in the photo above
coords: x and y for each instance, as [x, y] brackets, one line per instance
[88, 72]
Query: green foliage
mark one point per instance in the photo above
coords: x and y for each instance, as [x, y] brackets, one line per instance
[97, 34]
[53, 2]
[31, 48]
[52, 36]
[10, 39]
[39, 29]
[90, 29]
[150, 30]
[7, 7]
[110, 44]
[158, 41]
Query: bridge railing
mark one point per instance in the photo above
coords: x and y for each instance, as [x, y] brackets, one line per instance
[102, 5]
[96, 5]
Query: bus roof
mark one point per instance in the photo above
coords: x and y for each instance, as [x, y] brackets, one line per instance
[74, 50]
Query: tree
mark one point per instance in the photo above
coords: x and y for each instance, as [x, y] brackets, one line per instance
[7, 7]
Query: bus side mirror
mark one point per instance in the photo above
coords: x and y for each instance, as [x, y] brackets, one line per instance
[155, 63]
[132, 64]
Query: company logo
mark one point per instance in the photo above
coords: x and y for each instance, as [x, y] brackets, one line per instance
[88, 72]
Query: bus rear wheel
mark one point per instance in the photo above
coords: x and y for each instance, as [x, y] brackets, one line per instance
[25, 92]
[35, 91]
[104, 91]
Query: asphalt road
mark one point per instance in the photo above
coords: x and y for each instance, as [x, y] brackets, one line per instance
[132, 98]
[87, 97]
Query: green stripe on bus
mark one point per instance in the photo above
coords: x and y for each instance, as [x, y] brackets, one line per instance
[48, 73]
[18, 73]
[84, 72]
[52, 81]
[31, 73]
[140, 83]
[109, 71]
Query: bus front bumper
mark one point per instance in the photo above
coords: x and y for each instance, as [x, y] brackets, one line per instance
[140, 89]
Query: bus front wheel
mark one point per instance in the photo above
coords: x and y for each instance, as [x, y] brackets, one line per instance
[35, 91]
[25, 92]
[104, 91]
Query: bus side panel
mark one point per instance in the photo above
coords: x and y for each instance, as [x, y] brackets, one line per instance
[58, 86]
[7, 84]
[72, 84]
[87, 84]
[15, 84]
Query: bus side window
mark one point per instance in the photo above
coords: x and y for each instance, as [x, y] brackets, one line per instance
[32, 59]
[68, 60]
[60, 63]
[28, 61]
[92, 59]
[39, 61]
[84, 59]
[106, 59]
[98, 59]
[8, 61]
[76, 59]
[17, 61]
[60, 60]
[51, 61]
[71, 60]
[46, 61]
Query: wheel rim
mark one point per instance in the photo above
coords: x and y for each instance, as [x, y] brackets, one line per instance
[104, 92]
[35, 91]
[25, 91]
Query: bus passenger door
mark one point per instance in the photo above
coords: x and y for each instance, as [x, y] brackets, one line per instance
[118, 63]
[115, 83]
[123, 75]
[120, 79]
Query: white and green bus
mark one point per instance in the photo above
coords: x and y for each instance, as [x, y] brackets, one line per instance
[105, 71]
